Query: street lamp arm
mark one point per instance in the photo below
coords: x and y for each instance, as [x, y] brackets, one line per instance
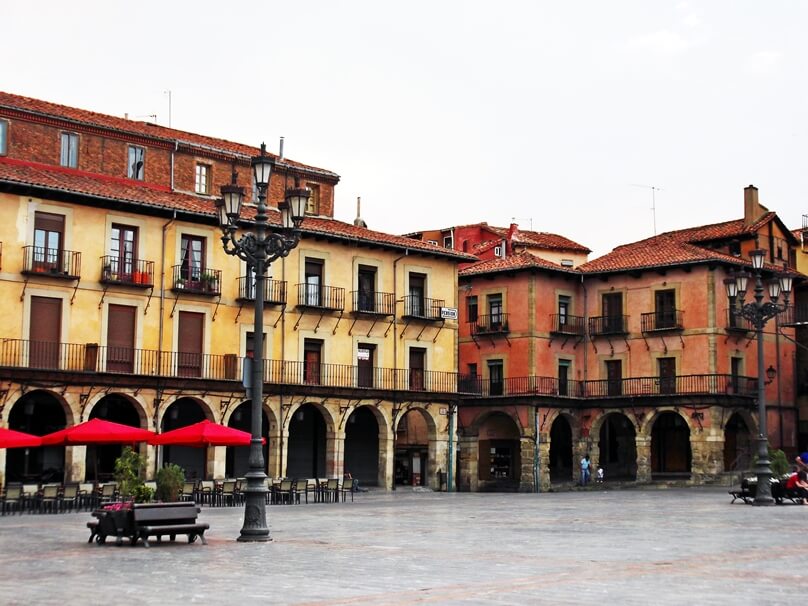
[761, 313]
[252, 249]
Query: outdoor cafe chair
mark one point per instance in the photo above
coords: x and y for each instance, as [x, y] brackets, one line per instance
[189, 491]
[88, 496]
[206, 492]
[227, 493]
[283, 494]
[348, 487]
[331, 492]
[48, 498]
[69, 498]
[300, 487]
[12, 498]
[107, 493]
[30, 492]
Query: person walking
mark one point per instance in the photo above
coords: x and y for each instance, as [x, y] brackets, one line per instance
[586, 468]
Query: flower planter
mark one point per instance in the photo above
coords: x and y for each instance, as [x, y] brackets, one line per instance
[118, 523]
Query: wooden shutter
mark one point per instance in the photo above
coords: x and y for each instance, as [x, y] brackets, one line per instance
[45, 332]
[189, 344]
[121, 338]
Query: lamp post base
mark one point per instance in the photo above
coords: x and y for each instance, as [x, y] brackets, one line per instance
[763, 470]
[255, 527]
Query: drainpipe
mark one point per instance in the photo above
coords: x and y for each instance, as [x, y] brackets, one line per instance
[779, 382]
[450, 470]
[283, 367]
[163, 288]
[586, 349]
[395, 354]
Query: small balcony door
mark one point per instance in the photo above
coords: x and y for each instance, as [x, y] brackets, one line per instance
[496, 377]
[614, 377]
[189, 344]
[48, 242]
[45, 333]
[417, 366]
[613, 311]
[314, 282]
[312, 361]
[563, 377]
[665, 309]
[193, 258]
[121, 338]
[495, 312]
[123, 252]
[667, 375]
[367, 288]
[365, 361]
[417, 294]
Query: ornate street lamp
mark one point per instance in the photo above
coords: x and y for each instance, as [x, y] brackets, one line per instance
[259, 249]
[758, 313]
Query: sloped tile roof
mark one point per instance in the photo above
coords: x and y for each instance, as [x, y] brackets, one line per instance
[59, 179]
[539, 239]
[135, 127]
[519, 261]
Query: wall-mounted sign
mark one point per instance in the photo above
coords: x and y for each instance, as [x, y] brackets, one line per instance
[448, 313]
[363, 354]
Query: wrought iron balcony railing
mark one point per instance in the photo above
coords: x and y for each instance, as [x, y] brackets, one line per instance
[416, 306]
[373, 303]
[128, 272]
[794, 316]
[490, 324]
[274, 290]
[51, 262]
[320, 297]
[608, 325]
[737, 324]
[563, 324]
[656, 321]
[197, 281]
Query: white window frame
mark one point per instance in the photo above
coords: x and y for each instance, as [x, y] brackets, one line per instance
[202, 178]
[3, 137]
[131, 152]
[69, 150]
[448, 242]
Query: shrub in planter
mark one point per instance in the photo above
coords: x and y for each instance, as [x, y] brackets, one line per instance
[169, 482]
[779, 462]
[129, 471]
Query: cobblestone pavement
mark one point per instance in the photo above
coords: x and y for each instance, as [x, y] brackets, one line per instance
[676, 546]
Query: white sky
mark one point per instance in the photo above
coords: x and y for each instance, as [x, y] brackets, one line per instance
[443, 113]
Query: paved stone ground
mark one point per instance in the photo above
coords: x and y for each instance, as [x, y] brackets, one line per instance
[676, 546]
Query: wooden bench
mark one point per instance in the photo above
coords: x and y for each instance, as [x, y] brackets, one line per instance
[167, 519]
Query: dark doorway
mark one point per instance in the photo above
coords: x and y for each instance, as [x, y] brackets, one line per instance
[561, 450]
[500, 457]
[618, 448]
[307, 441]
[670, 445]
[362, 447]
[738, 445]
[185, 411]
[412, 450]
[38, 413]
[237, 458]
[99, 463]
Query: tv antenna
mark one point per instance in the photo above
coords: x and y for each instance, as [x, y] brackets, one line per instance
[654, 189]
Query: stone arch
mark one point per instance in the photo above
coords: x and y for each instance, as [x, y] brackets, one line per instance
[38, 412]
[616, 435]
[671, 452]
[99, 460]
[183, 411]
[739, 442]
[473, 429]
[309, 426]
[499, 465]
[560, 458]
[237, 458]
[365, 429]
[414, 460]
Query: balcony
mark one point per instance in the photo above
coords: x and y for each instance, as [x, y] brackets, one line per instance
[422, 308]
[274, 290]
[373, 303]
[315, 296]
[135, 272]
[567, 325]
[794, 316]
[196, 281]
[602, 326]
[51, 262]
[491, 324]
[661, 321]
[738, 324]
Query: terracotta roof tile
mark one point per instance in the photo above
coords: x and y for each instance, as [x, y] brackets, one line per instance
[540, 239]
[521, 260]
[143, 129]
[56, 178]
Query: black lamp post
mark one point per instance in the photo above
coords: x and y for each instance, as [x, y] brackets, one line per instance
[759, 312]
[259, 249]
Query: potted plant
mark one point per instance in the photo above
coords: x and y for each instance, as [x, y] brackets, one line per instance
[117, 518]
[169, 483]
[209, 281]
[179, 284]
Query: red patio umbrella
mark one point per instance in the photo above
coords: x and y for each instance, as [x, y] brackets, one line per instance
[203, 433]
[17, 439]
[97, 431]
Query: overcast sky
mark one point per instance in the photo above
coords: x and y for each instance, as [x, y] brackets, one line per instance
[559, 115]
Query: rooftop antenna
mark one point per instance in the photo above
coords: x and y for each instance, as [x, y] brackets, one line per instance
[168, 92]
[654, 189]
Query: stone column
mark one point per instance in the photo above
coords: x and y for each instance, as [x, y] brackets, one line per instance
[217, 458]
[643, 458]
[544, 462]
[527, 448]
[334, 447]
[75, 467]
[707, 460]
[438, 453]
[469, 461]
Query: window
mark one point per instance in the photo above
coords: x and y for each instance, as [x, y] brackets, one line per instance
[70, 150]
[123, 251]
[417, 366]
[471, 308]
[3, 137]
[417, 292]
[495, 311]
[313, 204]
[48, 235]
[563, 309]
[665, 309]
[736, 365]
[613, 312]
[667, 375]
[193, 255]
[312, 358]
[496, 377]
[614, 377]
[498, 251]
[447, 242]
[365, 361]
[469, 383]
[202, 179]
[135, 168]
[563, 377]
[735, 248]
[366, 297]
[433, 242]
[314, 282]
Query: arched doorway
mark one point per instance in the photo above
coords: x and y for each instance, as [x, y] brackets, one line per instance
[362, 446]
[560, 450]
[500, 457]
[738, 445]
[412, 450]
[39, 413]
[99, 464]
[307, 442]
[237, 458]
[670, 446]
[185, 411]
[618, 448]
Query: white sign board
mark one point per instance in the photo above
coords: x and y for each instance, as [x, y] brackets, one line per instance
[363, 354]
[448, 313]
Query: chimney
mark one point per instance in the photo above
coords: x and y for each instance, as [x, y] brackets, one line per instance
[509, 238]
[280, 150]
[752, 210]
[359, 221]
